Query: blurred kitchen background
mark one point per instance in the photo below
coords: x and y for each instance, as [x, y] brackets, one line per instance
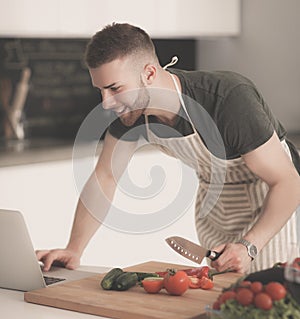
[45, 89]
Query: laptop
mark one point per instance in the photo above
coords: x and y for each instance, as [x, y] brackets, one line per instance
[19, 267]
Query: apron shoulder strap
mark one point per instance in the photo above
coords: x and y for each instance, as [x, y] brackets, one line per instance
[181, 99]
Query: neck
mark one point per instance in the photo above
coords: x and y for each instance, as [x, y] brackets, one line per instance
[165, 103]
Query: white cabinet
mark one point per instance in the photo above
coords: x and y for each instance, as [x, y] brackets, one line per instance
[29, 18]
[47, 196]
[199, 18]
[168, 18]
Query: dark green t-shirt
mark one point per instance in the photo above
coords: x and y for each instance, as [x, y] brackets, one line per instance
[242, 118]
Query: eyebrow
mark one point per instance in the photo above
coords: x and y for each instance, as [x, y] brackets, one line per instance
[109, 86]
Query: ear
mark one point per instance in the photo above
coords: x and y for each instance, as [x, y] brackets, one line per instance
[149, 74]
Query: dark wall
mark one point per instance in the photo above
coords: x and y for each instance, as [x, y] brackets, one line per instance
[60, 92]
[184, 49]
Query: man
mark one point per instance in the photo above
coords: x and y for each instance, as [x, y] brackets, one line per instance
[253, 220]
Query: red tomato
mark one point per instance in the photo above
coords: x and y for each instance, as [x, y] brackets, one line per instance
[244, 296]
[245, 284]
[263, 301]
[275, 290]
[216, 305]
[152, 286]
[230, 294]
[256, 287]
[177, 283]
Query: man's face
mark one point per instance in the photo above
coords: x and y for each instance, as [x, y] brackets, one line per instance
[122, 89]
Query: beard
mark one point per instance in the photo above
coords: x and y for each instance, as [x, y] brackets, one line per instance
[134, 111]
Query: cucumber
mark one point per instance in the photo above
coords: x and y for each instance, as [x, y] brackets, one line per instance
[110, 278]
[125, 281]
[142, 275]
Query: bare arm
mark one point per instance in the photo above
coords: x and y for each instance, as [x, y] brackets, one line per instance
[94, 202]
[271, 163]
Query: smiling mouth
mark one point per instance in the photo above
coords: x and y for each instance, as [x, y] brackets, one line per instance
[121, 110]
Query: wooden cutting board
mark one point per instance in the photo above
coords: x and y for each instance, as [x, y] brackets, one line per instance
[86, 296]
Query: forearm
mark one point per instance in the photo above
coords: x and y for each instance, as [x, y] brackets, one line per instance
[83, 229]
[280, 203]
[92, 207]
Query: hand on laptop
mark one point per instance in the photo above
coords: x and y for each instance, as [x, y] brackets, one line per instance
[67, 257]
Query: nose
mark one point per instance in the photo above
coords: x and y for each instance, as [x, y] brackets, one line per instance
[108, 100]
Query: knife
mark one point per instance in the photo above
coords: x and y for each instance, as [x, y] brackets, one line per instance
[191, 250]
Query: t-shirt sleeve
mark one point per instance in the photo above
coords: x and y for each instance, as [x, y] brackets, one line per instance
[244, 122]
[127, 133]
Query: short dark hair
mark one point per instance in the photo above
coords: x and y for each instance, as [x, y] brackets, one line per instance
[115, 41]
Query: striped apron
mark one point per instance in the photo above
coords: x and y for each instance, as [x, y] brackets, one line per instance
[240, 200]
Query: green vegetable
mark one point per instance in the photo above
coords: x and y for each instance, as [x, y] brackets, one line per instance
[117, 279]
[142, 275]
[286, 308]
[110, 278]
[125, 281]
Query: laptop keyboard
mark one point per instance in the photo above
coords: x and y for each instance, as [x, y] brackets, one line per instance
[52, 280]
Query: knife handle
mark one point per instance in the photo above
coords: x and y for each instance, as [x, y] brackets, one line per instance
[213, 255]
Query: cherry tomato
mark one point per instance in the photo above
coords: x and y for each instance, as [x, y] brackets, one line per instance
[216, 305]
[275, 290]
[244, 296]
[153, 285]
[263, 301]
[245, 284]
[230, 294]
[176, 283]
[256, 287]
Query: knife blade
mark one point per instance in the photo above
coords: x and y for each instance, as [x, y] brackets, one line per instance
[191, 250]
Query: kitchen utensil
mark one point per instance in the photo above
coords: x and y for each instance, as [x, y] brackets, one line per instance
[14, 113]
[191, 250]
[87, 296]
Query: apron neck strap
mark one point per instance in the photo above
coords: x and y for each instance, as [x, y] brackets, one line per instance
[180, 98]
[172, 62]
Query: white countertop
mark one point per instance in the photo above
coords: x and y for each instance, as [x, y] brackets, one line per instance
[12, 305]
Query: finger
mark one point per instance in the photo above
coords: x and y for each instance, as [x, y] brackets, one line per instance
[232, 264]
[48, 260]
[41, 253]
[71, 265]
[219, 248]
[72, 261]
[225, 261]
[230, 260]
